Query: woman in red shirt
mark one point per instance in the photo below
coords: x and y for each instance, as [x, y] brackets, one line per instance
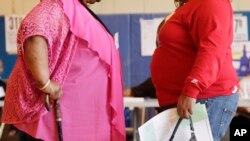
[193, 62]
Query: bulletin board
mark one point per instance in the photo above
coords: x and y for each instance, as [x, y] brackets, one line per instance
[119, 25]
[136, 67]
[140, 65]
[8, 60]
[241, 43]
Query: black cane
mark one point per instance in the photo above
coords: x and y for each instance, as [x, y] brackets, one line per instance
[57, 114]
[58, 120]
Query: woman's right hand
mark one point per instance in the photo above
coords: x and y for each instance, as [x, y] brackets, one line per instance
[127, 92]
[54, 90]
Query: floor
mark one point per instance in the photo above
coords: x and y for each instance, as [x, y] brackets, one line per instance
[7, 137]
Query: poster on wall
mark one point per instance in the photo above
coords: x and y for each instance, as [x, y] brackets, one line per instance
[12, 23]
[148, 35]
[240, 27]
[241, 45]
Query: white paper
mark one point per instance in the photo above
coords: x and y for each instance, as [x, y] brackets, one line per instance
[133, 99]
[240, 28]
[12, 23]
[148, 35]
[160, 127]
[116, 36]
[2, 93]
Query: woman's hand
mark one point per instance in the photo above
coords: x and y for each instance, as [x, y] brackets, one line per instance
[54, 90]
[185, 106]
[127, 92]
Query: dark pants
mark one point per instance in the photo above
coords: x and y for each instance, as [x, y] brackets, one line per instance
[25, 137]
[22, 135]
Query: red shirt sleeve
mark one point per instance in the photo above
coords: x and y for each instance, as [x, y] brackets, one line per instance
[211, 30]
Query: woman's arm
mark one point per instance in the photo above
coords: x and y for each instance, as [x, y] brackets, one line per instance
[36, 60]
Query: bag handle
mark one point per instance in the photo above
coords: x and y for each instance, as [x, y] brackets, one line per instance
[193, 137]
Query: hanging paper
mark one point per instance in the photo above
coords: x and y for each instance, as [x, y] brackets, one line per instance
[12, 23]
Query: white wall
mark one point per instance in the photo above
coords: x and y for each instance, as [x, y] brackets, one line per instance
[18, 7]
[112, 6]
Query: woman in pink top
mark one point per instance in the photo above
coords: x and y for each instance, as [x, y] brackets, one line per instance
[66, 52]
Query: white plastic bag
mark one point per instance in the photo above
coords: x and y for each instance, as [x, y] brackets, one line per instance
[161, 127]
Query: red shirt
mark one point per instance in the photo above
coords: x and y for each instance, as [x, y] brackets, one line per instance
[194, 55]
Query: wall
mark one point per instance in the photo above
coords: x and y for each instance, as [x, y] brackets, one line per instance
[18, 7]
[139, 8]
[113, 6]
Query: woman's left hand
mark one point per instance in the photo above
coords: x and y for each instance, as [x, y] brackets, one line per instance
[55, 90]
[185, 106]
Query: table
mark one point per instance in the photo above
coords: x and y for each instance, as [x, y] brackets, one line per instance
[140, 102]
[137, 103]
[2, 124]
[244, 103]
